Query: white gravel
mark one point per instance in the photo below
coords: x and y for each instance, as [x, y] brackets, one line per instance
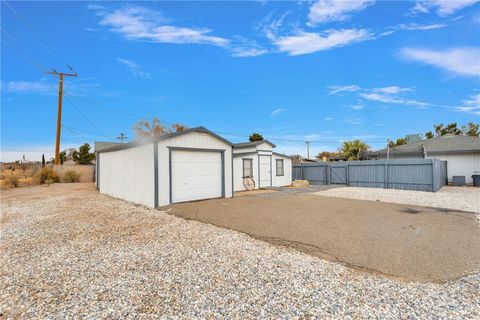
[86, 255]
[457, 198]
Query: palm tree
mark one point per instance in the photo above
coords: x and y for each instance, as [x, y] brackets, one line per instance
[351, 150]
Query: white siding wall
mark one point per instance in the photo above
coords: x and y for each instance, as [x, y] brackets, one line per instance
[277, 181]
[264, 147]
[461, 165]
[238, 170]
[286, 179]
[189, 140]
[128, 174]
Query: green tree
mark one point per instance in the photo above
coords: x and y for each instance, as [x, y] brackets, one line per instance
[429, 135]
[352, 150]
[63, 156]
[398, 142]
[255, 137]
[43, 160]
[83, 155]
[471, 129]
[327, 154]
[451, 128]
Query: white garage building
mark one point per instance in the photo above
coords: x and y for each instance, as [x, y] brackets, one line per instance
[185, 166]
[258, 161]
[194, 164]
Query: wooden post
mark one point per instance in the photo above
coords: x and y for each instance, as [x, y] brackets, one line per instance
[59, 112]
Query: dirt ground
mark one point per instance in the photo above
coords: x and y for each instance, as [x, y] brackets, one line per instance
[402, 241]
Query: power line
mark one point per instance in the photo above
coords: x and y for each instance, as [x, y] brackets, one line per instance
[324, 141]
[37, 65]
[87, 131]
[83, 115]
[34, 32]
[110, 108]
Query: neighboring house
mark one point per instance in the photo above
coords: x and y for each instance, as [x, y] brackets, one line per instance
[194, 164]
[462, 153]
[299, 159]
[258, 161]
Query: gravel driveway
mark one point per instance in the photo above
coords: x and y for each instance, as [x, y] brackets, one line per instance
[456, 198]
[68, 251]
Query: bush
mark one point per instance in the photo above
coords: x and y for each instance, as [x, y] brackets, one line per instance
[71, 176]
[45, 174]
[13, 180]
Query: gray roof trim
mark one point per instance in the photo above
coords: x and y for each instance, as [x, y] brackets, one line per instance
[443, 144]
[252, 144]
[100, 145]
[281, 155]
[148, 140]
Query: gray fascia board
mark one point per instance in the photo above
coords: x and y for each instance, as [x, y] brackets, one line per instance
[148, 140]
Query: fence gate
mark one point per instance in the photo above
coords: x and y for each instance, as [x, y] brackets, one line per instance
[338, 174]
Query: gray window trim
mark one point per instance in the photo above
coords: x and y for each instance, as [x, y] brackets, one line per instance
[283, 167]
[170, 149]
[243, 167]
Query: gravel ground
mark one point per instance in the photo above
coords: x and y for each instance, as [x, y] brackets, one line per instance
[68, 251]
[457, 198]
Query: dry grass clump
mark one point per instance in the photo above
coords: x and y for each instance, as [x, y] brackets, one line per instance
[71, 176]
[46, 175]
[13, 181]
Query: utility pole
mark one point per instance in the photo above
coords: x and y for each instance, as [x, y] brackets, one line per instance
[308, 149]
[59, 114]
[122, 137]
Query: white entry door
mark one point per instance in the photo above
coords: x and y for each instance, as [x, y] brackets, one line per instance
[196, 175]
[265, 174]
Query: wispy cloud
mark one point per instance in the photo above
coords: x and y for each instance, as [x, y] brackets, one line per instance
[243, 52]
[338, 89]
[135, 69]
[328, 118]
[333, 10]
[139, 23]
[354, 121]
[308, 42]
[37, 87]
[460, 61]
[276, 112]
[386, 98]
[390, 95]
[422, 27]
[471, 105]
[392, 90]
[242, 47]
[442, 7]
[357, 107]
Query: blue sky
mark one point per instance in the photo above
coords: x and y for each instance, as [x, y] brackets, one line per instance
[322, 71]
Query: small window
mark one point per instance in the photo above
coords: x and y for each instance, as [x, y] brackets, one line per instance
[279, 167]
[247, 168]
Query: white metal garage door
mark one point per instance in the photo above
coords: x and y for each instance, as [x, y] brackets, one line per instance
[196, 175]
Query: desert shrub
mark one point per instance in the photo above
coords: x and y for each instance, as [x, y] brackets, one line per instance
[13, 180]
[45, 174]
[71, 176]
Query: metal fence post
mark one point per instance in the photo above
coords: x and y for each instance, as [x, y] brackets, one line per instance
[386, 174]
